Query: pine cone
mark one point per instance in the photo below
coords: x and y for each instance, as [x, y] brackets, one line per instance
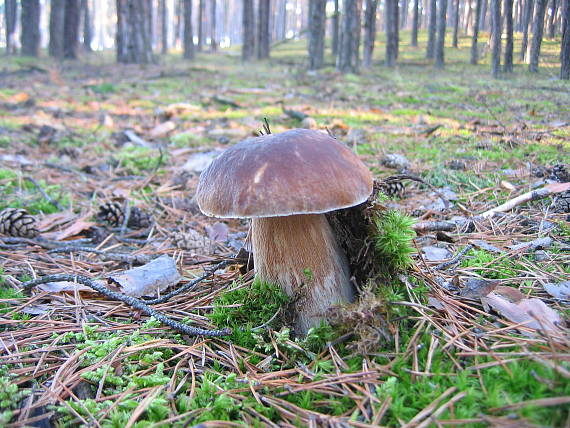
[562, 203]
[560, 173]
[192, 241]
[17, 222]
[113, 213]
[393, 187]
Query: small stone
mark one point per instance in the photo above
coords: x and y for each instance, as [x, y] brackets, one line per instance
[309, 123]
[396, 161]
[540, 256]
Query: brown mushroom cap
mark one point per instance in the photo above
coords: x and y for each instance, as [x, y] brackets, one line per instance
[296, 172]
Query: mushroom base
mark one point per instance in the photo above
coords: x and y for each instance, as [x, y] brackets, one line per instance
[300, 253]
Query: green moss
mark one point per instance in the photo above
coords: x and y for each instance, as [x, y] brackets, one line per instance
[393, 238]
[138, 159]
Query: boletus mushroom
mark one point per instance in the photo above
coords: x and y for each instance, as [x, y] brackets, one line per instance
[285, 183]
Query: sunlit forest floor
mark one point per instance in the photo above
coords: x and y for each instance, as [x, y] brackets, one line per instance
[70, 356]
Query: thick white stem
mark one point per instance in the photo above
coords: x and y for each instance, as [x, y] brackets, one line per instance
[300, 253]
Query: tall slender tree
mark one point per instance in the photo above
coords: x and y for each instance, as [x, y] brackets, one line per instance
[189, 49]
[348, 60]
[10, 15]
[474, 39]
[495, 37]
[415, 23]
[87, 25]
[335, 28]
[369, 32]
[537, 33]
[552, 19]
[391, 35]
[56, 15]
[483, 17]
[508, 10]
[527, 19]
[396, 23]
[248, 39]
[213, 27]
[440, 42]
[201, 13]
[30, 19]
[133, 36]
[455, 40]
[430, 51]
[163, 11]
[565, 45]
[316, 28]
[71, 29]
[263, 33]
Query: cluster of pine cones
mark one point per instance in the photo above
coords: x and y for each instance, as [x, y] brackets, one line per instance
[114, 214]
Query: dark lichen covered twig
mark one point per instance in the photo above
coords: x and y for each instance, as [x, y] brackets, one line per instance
[455, 259]
[44, 193]
[116, 257]
[131, 301]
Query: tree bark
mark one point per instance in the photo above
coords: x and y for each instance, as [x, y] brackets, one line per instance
[87, 26]
[565, 45]
[201, 10]
[527, 17]
[389, 6]
[369, 32]
[348, 60]
[189, 50]
[248, 40]
[551, 20]
[56, 15]
[495, 37]
[396, 24]
[71, 29]
[440, 43]
[474, 39]
[537, 33]
[456, 24]
[10, 15]
[163, 27]
[335, 28]
[431, 29]
[213, 29]
[482, 18]
[317, 22]
[263, 36]
[508, 8]
[30, 36]
[134, 43]
[415, 23]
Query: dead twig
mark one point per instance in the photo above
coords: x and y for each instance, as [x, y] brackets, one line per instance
[43, 193]
[131, 301]
[455, 259]
[115, 257]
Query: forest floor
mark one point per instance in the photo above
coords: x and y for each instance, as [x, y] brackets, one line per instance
[472, 343]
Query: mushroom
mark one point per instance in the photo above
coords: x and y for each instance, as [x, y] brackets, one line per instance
[285, 183]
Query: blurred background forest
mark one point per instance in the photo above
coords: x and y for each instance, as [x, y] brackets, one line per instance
[141, 30]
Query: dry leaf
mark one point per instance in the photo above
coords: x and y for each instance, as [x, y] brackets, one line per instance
[75, 228]
[162, 129]
[51, 221]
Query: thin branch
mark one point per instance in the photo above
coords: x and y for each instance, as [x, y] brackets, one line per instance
[456, 259]
[44, 194]
[131, 301]
[116, 257]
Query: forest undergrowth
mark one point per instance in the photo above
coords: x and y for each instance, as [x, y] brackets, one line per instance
[106, 158]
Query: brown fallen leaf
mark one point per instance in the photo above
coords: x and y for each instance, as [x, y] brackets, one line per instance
[162, 129]
[533, 313]
[75, 228]
[51, 221]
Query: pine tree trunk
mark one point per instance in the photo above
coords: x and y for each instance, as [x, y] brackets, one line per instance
[189, 50]
[134, 35]
[404, 14]
[248, 40]
[565, 44]
[537, 33]
[71, 29]
[389, 6]
[495, 37]
[415, 23]
[508, 9]
[456, 24]
[213, 29]
[178, 18]
[30, 36]
[317, 21]
[440, 43]
[527, 18]
[396, 24]
[369, 32]
[348, 60]
[201, 10]
[431, 29]
[56, 15]
[474, 39]
[335, 28]
[482, 18]
[263, 35]
[87, 26]
[551, 21]
[163, 27]
[10, 16]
